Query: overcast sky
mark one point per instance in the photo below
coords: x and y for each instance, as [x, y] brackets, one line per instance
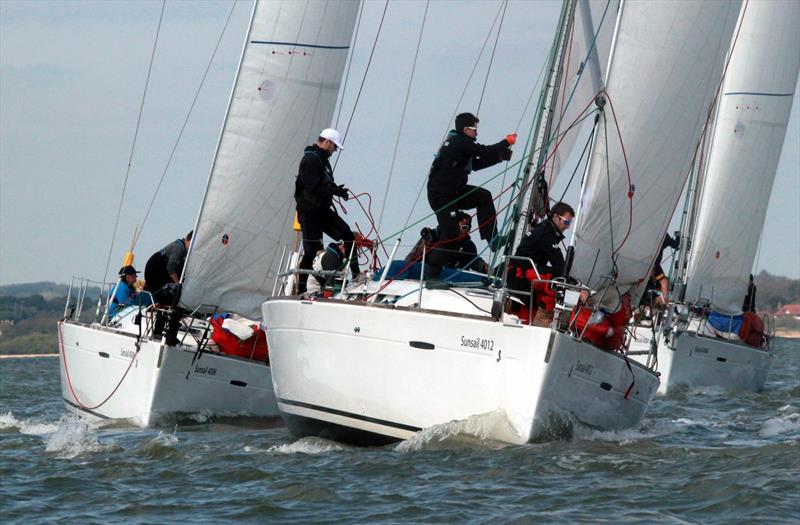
[71, 80]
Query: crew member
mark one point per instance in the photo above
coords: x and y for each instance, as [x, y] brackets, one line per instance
[448, 190]
[464, 252]
[162, 273]
[313, 194]
[749, 304]
[332, 259]
[541, 245]
[658, 278]
[123, 293]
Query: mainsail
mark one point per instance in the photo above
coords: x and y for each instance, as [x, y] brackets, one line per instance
[750, 129]
[665, 66]
[285, 93]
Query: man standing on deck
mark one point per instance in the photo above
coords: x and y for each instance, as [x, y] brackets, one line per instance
[313, 193]
[162, 273]
[448, 191]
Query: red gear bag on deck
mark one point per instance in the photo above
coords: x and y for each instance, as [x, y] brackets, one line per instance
[254, 347]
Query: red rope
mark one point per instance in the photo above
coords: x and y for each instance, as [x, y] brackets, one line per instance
[628, 173]
[69, 381]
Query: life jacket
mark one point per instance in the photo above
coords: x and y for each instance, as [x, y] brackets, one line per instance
[752, 329]
[604, 330]
[544, 297]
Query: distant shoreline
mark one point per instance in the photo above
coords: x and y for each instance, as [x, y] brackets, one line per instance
[788, 334]
[25, 356]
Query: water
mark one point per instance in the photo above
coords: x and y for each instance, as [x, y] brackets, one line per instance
[702, 456]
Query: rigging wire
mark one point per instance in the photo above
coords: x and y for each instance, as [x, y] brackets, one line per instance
[403, 114]
[363, 78]
[455, 111]
[491, 57]
[349, 64]
[133, 145]
[183, 126]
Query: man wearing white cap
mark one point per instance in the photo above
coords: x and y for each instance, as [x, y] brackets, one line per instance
[313, 192]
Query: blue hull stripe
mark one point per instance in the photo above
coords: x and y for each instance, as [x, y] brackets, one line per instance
[296, 44]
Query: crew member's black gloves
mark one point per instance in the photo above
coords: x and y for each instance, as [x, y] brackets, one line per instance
[341, 191]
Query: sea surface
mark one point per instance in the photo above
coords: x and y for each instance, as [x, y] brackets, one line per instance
[702, 456]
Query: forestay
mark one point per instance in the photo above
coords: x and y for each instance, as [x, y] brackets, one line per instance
[749, 133]
[285, 93]
[665, 67]
[584, 71]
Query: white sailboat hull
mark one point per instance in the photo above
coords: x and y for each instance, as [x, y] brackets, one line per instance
[687, 359]
[101, 378]
[370, 374]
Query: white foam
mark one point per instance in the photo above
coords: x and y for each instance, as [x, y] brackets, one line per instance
[30, 427]
[306, 445]
[479, 430]
[7, 420]
[72, 438]
[780, 425]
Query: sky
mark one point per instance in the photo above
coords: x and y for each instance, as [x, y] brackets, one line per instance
[71, 81]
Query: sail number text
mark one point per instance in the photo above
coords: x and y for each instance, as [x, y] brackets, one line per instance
[478, 343]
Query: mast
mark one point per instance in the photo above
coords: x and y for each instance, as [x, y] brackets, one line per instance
[543, 125]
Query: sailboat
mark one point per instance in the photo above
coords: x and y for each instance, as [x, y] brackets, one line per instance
[706, 340]
[386, 358]
[284, 92]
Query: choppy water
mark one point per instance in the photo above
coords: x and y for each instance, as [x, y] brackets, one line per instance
[702, 456]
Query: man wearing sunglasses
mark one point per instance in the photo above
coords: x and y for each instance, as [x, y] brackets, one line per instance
[542, 243]
[449, 192]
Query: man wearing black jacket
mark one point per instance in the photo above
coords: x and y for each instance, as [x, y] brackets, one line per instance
[448, 190]
[541, 244]
[313, 193]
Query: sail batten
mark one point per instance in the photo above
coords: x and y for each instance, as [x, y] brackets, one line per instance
[665, 67]
[285, 93]
[748, 137]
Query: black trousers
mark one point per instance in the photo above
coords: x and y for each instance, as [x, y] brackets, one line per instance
[313, 225]
[480, 199]
[156, 278]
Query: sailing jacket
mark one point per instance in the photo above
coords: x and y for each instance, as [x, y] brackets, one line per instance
[123, 297]
[314, 186]
[467, 251]
[541, 245]
[456, 159]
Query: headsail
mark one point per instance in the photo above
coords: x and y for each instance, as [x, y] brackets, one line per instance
[584, 72]
[576, 73]
[285, 93]
[666, 63]
[750, 129]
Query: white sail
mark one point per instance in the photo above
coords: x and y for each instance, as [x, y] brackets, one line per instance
[666, 63]
[750, 129]
[584, 72]
[285, 93]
